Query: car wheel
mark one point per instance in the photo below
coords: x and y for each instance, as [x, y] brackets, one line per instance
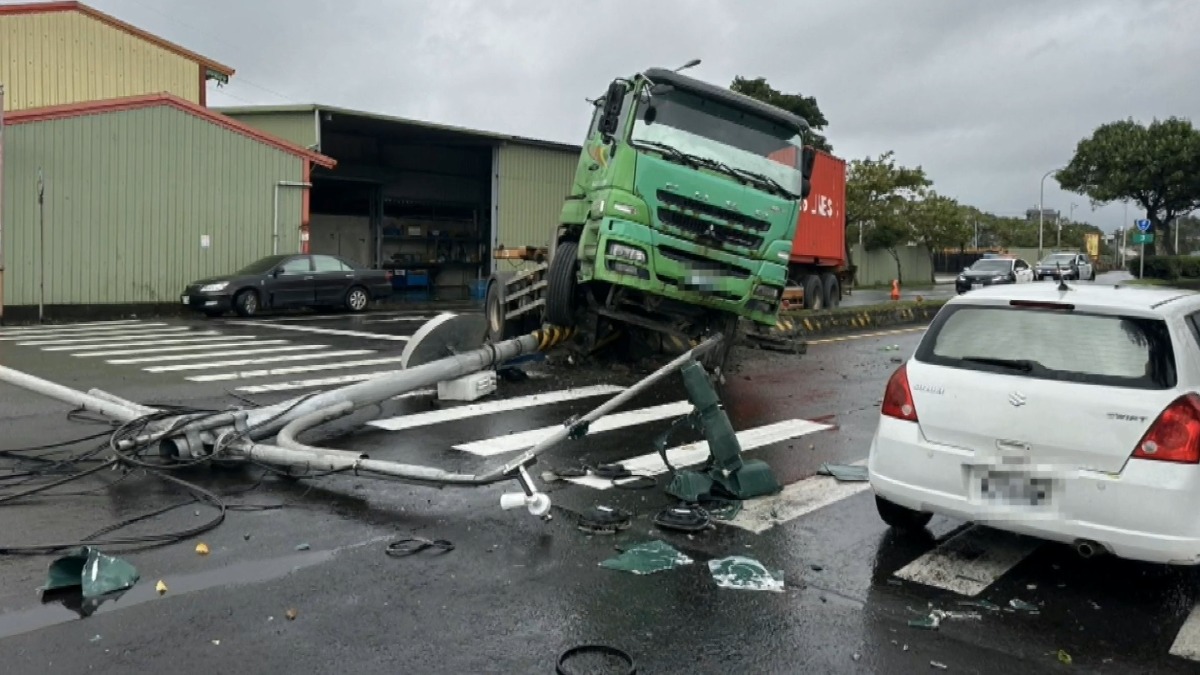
[246, 303]
[900, 517]
[357, 299]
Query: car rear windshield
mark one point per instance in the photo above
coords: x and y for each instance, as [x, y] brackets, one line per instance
[991, 265]
[1070, 346]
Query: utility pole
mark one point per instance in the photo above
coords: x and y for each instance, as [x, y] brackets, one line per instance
[1042, 210]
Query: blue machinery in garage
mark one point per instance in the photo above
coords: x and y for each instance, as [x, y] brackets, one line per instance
[447, 347]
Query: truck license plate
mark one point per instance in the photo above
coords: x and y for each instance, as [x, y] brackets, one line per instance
[1014, 488]
[186, 299]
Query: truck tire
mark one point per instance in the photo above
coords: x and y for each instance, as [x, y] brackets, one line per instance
[833, 290]
[493, 311]
[561, 285]
[814, 292]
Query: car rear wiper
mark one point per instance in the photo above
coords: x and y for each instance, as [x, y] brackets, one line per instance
[1023, 365]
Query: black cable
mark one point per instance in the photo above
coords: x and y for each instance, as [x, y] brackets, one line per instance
[51, 446]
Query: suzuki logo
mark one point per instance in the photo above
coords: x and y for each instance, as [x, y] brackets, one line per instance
[1017, 399]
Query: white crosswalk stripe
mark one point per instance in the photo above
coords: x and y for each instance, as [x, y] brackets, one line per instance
[313, 383]
[69, 326]
[794, 501]
[217, 355]
[292, 370]
[492, 407]
[205, 336]
[527, 439]
[970, 561]
[262, 359]
[327, 331]
[129, 335]
[196, 348]
[29, 331]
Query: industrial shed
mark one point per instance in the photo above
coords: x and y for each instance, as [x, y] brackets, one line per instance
[126, 200]
[430, 201]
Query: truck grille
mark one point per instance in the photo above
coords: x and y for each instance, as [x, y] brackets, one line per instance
[701, 264]
[700, 220]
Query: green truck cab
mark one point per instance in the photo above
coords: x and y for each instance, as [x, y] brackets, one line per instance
[681, 214]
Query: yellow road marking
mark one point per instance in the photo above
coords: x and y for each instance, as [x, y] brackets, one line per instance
[860, 336]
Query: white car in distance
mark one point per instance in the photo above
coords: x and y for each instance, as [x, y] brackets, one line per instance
[1067, 415]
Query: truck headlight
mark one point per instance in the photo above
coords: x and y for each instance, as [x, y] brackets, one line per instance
[624, 208]
[767, 292]
[629, 253]
[213, 288]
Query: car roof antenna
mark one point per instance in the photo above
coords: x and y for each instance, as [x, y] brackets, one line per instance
[1062, 281]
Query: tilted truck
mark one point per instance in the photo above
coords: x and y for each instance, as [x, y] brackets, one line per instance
[679, 222]
[819, 270]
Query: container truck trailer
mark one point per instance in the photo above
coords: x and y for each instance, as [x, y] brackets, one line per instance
[679, 224]
[819, 269]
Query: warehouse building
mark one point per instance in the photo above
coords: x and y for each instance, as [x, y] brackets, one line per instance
[118, 185]
[429, 201]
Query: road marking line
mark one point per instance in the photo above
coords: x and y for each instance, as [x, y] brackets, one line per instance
[45, 331]
[146, 334]
[860, 336]
[1187, 640]
[179, 348]
[400, 318]
[262, 359]
[217, 355]
[798, 499]
[252, 374]
[317, 382]
[489, 407]
[63, 326]
[970, 561]
[695, 453]
[153, 343]
[326, 331]
[527, 439]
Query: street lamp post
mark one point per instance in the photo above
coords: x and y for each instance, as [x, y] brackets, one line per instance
[1042, 210]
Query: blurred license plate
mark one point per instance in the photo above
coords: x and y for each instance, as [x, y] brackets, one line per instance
[1014, 488]
[186, 299]
[973, 286]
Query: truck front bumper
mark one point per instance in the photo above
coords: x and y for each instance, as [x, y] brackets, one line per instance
[682, 270]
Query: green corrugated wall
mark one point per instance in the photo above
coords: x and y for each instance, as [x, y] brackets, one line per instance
[531, 185]
[128, 196]
[297, 127]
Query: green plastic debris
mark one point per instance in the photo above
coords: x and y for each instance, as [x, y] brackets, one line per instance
[1064, 658]
[1022, 606]
[94, 573]
[845, 472]
[746, 574]
[647, 558]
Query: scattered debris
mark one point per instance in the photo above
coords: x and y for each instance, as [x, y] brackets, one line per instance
[216, 643]
[1095, 605]
[202, 548]
[1064, 658]
[722, 509]
[890, 348]
[845, 472]
[815, 567]
[856, 656]
[1021, 605]
[161, 587]
[744, 573]
[95, 638]
[939, 665]
[982, 604]
[302, 547]
[904, 648]
[97, 576]
[291, 614]
[934, 618]
[647, 558]
[246, 537]
[412, 545]
[602, 519]
[684, 518]
[1031, 587]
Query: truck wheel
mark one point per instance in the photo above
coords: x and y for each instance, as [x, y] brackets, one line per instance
[561, 285]
[493, 310]
[814, 292]
[833, 290]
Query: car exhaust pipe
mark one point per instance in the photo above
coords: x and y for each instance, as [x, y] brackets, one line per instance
[1088, 549]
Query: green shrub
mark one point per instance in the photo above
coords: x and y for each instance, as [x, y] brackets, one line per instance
[1169, 267]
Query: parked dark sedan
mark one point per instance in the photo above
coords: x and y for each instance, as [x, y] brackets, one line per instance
[991, 271]
[289, 281]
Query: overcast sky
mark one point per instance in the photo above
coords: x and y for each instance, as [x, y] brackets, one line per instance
[986, 96]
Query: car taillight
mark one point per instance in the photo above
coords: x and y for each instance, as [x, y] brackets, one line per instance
[388, 275]
[897, 397]
[1175, 435]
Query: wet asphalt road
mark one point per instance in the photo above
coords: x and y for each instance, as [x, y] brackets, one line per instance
[516, 591]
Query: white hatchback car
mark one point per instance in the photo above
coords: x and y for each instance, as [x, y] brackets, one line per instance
[1067, 415]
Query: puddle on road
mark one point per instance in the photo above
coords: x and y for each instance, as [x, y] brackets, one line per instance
[58, 610]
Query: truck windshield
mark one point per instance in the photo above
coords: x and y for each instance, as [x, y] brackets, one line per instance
[707, 129]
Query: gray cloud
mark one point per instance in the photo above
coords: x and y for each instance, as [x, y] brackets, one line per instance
[987, 96]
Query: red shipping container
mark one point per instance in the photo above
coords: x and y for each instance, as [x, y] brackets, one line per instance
[821, 231]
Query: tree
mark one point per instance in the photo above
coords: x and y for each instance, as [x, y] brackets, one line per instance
[877, 196]
[797, 104]
[1157, 166]
[939, 223]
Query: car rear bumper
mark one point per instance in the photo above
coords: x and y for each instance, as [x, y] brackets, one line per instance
[1142, 513]
[964, 286]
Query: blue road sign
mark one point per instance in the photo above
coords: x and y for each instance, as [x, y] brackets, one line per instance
[1143, 225]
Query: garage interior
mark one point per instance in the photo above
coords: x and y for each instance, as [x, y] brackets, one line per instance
[411, 199]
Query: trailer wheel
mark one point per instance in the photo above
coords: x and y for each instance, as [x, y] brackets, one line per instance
[561, 285]
[814, 292]
[493, 310]
[833, 290]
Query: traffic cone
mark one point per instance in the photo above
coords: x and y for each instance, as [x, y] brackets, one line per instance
[895, 289]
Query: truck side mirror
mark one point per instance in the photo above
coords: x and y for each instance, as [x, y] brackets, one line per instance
[807, 158]
[613, 101]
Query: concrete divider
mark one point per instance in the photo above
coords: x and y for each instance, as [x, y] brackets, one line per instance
[807, 324]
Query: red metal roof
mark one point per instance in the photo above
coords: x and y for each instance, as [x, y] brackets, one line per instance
[72, 6]
[150, 100]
